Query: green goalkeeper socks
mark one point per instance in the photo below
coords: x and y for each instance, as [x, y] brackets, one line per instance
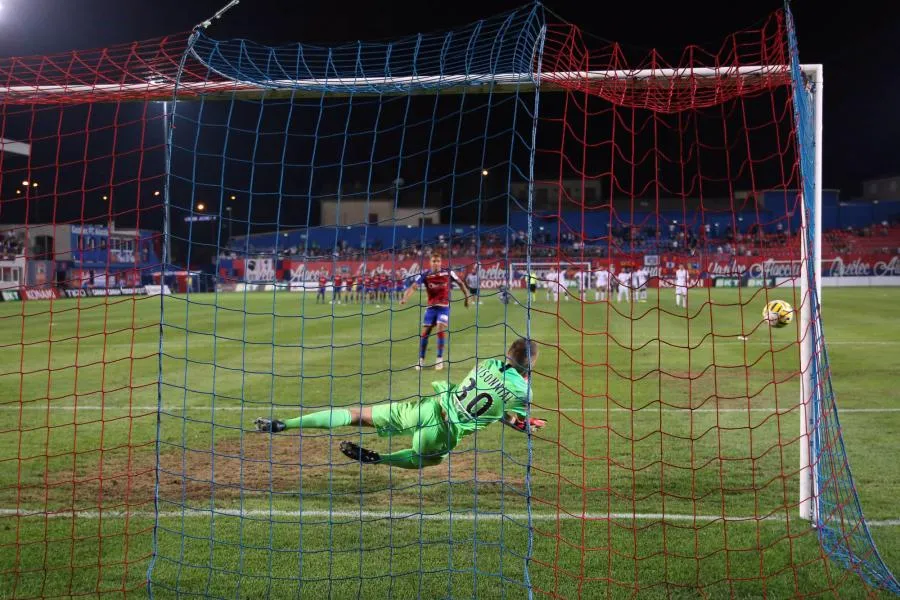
[324, 419]
[409, 459]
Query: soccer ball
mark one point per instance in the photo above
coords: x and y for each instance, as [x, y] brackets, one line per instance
[778, 313]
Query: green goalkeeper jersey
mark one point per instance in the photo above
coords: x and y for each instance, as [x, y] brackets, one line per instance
[490, 390]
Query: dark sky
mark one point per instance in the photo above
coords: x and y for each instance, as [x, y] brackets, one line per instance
[858, 46]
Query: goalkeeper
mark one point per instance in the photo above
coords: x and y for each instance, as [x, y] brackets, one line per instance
[494, 390]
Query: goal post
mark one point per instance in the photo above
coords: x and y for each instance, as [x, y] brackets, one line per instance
[808, 92]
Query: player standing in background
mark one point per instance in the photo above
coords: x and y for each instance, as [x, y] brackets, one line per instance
[348, 289]
[386, 279]
[387, 285]
[437, 282]
[379, 287]
[681, 285]
[372, 287]
[601, 281]
[399, 285]
[323, 282]
[564, 284]
[642, 277]
[495, 390]
[532, 285]
[338, 288]
[472, 280]
[368, 287]
[361, 287]
[635, 283]
[624, 279]
[552, 281]
[583, 278]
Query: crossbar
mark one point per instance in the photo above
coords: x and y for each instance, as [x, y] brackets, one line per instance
[165, 90]
[14, 147]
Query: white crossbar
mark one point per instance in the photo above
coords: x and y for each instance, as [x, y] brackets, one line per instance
[14, 147]
[504, 79]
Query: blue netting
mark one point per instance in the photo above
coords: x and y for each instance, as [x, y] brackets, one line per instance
[243, 514]
[840, 522]
[503, 46]
[343, 162]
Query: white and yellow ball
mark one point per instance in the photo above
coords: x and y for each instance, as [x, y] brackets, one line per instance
[778, 313]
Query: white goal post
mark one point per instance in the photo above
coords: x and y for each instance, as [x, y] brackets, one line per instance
[163, 89]
[809, 327]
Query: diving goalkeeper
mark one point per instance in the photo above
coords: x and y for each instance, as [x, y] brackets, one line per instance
[494, 390]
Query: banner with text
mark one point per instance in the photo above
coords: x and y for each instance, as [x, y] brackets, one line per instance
[745, 270]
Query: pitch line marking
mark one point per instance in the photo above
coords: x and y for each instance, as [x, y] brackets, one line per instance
[366, 515]
[569, 409]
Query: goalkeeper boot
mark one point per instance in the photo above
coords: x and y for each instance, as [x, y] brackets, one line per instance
[269, 425]
[354, 451]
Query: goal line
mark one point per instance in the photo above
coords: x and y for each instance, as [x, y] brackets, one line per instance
[368, 515]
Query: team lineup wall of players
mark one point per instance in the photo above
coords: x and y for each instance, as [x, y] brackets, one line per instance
[601, 282]
[377, 287]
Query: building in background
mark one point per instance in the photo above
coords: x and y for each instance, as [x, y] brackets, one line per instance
[76, 256]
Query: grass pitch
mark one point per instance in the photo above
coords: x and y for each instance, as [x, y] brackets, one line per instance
[669, 467]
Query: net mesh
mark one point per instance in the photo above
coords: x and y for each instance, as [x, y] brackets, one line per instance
[225, 231]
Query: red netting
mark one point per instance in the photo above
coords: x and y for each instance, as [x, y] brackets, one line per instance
[80, 228]
[747, 62]
[680, 470]
[671, 462]
[139, 71]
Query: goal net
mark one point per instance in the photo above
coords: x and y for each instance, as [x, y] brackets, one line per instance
[164, 201]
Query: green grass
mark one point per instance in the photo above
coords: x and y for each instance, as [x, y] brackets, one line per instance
[650, 413]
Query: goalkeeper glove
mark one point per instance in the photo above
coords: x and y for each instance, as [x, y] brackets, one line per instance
[269, 425]
[519, 425]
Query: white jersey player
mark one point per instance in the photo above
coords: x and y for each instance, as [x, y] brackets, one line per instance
[601, 281]
[563, 285]
[681, 286]
[641, 289]
[551, 278]
[624, 290]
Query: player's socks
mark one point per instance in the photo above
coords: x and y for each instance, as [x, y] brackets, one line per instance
[324, 419]
[442, 337]
[423, 346]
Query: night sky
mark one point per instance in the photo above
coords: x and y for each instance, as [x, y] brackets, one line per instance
[858, 46]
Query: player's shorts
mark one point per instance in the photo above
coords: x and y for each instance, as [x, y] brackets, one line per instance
[421, 419]
[532, 287]
[435, 315]
[321, 290]
[681, 290]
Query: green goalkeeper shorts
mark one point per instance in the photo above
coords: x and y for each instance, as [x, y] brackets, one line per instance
[420, 419]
